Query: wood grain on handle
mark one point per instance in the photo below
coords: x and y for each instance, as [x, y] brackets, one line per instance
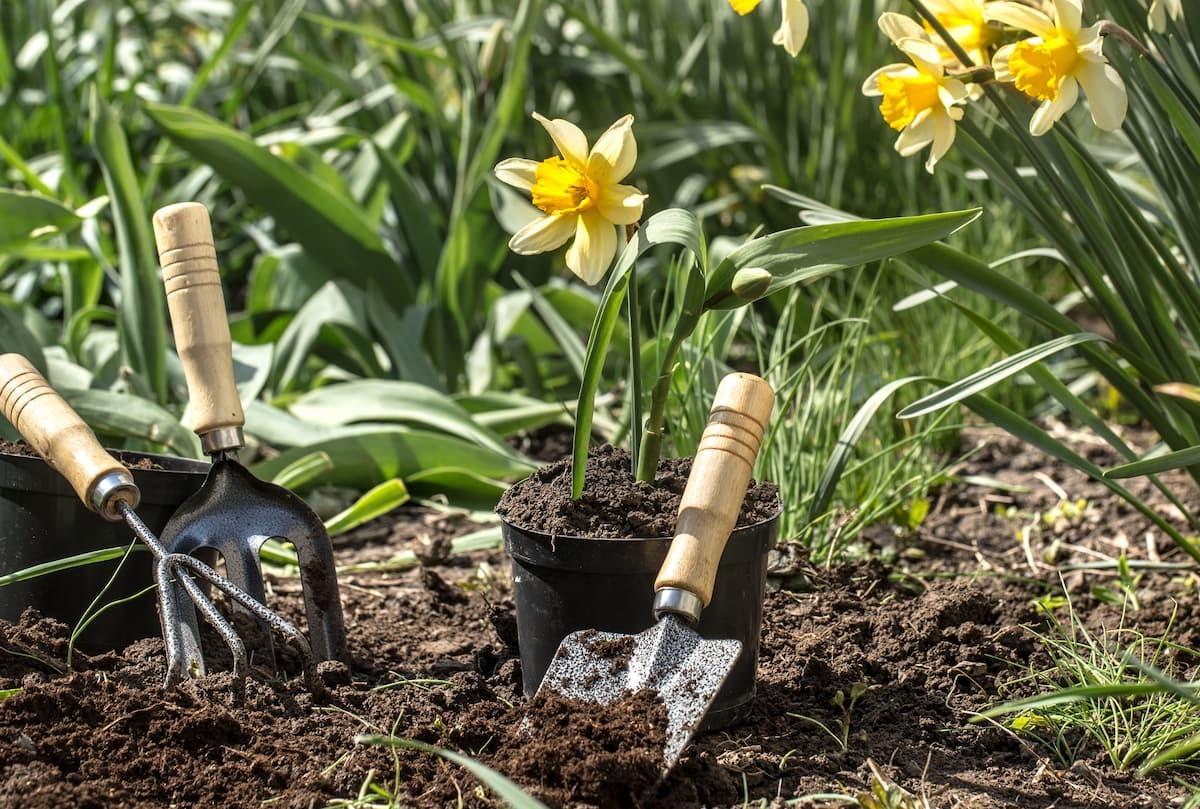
[183, 233]
[717, 484]
[60, 436]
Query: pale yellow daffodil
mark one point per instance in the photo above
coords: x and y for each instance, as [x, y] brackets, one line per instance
[919, 99]
[965, 23]
[580, 194]
[1058, 60]
[1159, 9]
[793, 30]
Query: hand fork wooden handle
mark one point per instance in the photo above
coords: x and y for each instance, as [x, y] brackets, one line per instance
[713, 496]
[62, 438]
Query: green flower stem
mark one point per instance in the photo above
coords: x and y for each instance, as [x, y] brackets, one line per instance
[635, 373]
[652, 438]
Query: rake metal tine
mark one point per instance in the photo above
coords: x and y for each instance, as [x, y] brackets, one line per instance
[246, 600]
[209, 610]
[168, 571]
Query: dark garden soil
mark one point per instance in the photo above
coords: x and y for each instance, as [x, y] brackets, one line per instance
[935, 636]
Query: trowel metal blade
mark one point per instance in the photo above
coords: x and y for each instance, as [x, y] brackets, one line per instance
[684, 669]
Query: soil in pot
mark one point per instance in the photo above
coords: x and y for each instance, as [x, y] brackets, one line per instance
[613, 504]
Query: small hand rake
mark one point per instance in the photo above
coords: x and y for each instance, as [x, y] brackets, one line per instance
[233, 513]
[66, 443]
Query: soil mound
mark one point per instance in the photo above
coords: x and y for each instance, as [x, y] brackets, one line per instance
[613, 504]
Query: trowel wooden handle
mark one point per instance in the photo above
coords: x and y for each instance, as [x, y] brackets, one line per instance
[61, 437]
[717, 484]
[197, 305]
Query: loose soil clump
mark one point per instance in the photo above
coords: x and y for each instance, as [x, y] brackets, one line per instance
[434, 660]
[613, 504]
[571, 752]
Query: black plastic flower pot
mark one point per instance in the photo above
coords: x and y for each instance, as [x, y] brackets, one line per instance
[42, 520]
[566, 584]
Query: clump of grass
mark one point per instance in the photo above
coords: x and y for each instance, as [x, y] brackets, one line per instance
[1113, 690]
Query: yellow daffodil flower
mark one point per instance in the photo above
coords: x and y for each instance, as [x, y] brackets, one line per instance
[794, 28]
[964, 22]
[580, 193]
[1056, 62]
[919, 99]
[1159, 9]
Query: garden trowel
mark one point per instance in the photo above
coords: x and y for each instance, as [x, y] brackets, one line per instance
[670, 659]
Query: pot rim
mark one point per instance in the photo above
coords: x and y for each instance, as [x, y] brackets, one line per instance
[556, 538]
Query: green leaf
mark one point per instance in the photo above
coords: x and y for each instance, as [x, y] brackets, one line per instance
[128, 416]
[805, 253]
[506, 790]
[511, 413]
[1158, 463]
[16, 337]
[66, 563]
[985, 378]
[375, 503]
[25, 216]
[390, 400]
[672, 226]
[330, 227]
[303, 471]
[333, 317]
[141, 315]
[368, 455]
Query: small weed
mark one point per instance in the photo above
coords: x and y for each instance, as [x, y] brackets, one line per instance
[840, 700]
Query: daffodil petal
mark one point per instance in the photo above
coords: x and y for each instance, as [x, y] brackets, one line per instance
[870, 87]
[568, 139]
[1069, 14]
[1020, 16]
[517, 171]
[621, 204]
[744, 7]
[898, 26]
[923, 53]
[1050, 111]
[1000, 63]
[917, 135]
[614, 154]
[944, 131]
[1090, 45]
[593, 249]
[542, 235]
[1105, 91]
[793, 30]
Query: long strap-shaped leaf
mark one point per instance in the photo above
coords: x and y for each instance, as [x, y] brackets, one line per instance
[996, 372]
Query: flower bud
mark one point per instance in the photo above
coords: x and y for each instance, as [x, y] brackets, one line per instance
[750, 283]
[494, 52]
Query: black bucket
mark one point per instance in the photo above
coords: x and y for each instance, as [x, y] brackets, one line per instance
[567, 584]
[42, 520]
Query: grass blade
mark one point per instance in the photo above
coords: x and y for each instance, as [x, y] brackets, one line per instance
[141, 317]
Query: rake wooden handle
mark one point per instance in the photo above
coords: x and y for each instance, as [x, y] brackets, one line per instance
[184, 236]
[62, 438]
[717, 484]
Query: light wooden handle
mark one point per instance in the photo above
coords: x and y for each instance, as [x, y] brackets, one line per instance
[717, 484]
[184, 236]
[62, 438]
